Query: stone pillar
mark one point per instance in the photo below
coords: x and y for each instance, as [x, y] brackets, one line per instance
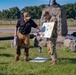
[60, 14]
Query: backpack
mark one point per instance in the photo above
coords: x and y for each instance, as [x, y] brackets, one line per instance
[74, 34]
[40, 42]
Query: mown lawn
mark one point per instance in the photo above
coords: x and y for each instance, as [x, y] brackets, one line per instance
[66, 64]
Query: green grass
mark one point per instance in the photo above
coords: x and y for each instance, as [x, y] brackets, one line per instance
[66, 64]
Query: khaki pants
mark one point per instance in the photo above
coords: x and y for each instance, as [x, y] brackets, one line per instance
[24, 39]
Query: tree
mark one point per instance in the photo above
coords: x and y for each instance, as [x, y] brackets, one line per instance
[35, 11]
[14, 13]
[74, 7]
[5, 14]
[71, 10]
[0, 15]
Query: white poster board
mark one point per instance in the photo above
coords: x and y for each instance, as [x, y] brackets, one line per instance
[47, 29]
[39, 59]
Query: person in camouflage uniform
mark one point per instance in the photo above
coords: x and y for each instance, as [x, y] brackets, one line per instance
[51, 42]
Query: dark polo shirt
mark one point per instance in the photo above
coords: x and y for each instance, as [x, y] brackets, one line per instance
[25, 27]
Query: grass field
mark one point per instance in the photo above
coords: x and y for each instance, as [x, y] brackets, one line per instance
[66, 64]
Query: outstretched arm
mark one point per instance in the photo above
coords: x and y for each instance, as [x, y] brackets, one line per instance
[38, 28]
[39, 31]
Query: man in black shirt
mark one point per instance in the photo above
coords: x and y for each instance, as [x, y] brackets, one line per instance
[23, 29]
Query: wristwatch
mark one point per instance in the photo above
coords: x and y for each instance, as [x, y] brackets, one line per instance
[39, 30]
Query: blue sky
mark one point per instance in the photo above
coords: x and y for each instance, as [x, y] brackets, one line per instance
[6, 4]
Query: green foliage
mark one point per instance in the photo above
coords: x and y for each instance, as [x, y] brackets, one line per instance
[5, 14]
[70, 10]
[66, 64]
[12, 13]
[35, 11]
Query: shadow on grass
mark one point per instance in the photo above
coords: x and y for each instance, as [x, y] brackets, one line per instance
[4, 63]
[31, 74]
[33, 47]
[6, 55]
[68, 60]
[30, 47]
[2, 48]
[1, 74]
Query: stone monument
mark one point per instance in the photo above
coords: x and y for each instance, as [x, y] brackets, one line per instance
[60, 13]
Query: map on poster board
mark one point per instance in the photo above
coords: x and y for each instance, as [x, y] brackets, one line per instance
[47, 29]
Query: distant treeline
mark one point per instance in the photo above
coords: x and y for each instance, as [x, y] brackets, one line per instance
[35, 11]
